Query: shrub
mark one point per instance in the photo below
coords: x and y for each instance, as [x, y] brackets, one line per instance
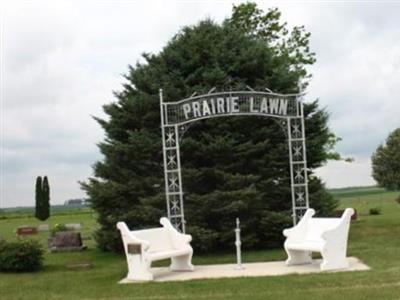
[2, 214]
[21, 256]
[375, 211]
[203, 239]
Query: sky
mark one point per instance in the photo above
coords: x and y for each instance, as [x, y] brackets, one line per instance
[62, 60]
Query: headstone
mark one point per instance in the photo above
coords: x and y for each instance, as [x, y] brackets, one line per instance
[43, 227]
[74, 226]
[27, 230]
[66, 241]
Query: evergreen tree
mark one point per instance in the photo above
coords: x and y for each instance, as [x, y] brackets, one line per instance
[386, 162]
[38, 197]
[232, 167]
[46, 199]
[42, 197]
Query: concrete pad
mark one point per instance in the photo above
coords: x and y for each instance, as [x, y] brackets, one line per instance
[273, 268]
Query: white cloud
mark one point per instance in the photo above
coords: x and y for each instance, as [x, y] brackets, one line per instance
[62, 60]
[339, 174]
[359, 84]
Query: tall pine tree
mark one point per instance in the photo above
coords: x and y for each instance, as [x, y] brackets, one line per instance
[42, 198]
[46, 199]
[232, 167]
[38, 197]
[386, 162]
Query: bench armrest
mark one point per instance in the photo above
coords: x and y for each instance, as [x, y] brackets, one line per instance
[289, 231]
[178, 239]
[186, 238]
[298, 229]
[341, 230]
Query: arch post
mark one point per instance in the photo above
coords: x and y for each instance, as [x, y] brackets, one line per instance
[298, 164]
[172, 170]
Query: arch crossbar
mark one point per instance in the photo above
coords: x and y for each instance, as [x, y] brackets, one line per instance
[176, 115]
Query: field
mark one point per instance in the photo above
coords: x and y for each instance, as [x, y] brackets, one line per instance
[375, 239]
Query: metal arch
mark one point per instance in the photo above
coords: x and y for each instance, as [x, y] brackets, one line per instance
[233, 93]
[184, 128]
[298, 163]
[173, 128]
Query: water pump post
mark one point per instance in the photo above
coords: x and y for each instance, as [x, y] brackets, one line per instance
[238, 245]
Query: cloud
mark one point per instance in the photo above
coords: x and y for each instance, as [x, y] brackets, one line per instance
[357, 72]
[62, 60]
[61, 63]
[339, 174]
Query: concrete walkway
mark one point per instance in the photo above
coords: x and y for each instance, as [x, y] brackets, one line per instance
[272, 268]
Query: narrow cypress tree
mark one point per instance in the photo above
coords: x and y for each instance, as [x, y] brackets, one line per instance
[46, 199]
[38, 197]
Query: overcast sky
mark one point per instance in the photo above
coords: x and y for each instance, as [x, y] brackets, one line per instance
[60, 62]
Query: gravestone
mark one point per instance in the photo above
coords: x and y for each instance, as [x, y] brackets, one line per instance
[43, 227]
[66, 241]
[27, 230]
[74, 226]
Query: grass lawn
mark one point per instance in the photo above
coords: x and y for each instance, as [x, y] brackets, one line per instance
[374, 239]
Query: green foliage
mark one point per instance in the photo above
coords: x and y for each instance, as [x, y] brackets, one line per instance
[290, 47]
[232, 167]
[58, 228]
[369, 238]
[46, 199]
[21, 256]
[320, 199]
[42, 197]
[38, 197]
[386, 162]
[375, 211]
[203, 239]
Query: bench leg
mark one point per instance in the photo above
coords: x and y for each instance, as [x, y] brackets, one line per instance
[298, 257]
[138, 269]
[182, 263]
[334, 259]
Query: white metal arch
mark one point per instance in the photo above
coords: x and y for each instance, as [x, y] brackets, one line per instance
[232, 103]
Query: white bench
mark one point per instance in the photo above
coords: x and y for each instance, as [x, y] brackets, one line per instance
[142, 247]
[325, 235]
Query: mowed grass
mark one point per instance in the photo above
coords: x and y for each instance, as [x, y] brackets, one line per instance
[358, 191]
[374, 239]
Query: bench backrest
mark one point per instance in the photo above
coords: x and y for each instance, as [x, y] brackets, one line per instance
[159, 239]
[317, 226]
